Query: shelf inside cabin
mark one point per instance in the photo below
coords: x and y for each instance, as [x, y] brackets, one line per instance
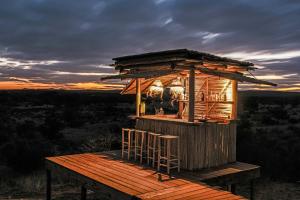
[228, 102]
[225, 102]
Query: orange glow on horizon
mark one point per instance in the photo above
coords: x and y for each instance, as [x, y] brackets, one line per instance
[21, 85]
[17, 85]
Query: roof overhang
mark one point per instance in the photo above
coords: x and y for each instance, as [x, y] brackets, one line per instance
[225, 74]
[177, 56]
[143, 74]
[169, 64]
[234, 76]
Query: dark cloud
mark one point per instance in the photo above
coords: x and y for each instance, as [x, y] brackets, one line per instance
[84, 34]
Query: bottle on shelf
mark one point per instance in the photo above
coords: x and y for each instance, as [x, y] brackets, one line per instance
[224, 97]
[216, 97]
[221, 97]
[202, 97]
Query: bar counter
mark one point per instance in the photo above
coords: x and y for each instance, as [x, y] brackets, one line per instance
[202, 144]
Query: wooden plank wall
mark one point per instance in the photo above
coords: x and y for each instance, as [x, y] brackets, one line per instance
[207, 86]
[202, 145]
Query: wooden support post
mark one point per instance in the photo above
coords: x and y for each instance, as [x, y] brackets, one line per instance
[191, 95]
[233, 188]
[252, 194]
[48, 186]
[83, 193]
[138, 96]
[228, 188]
[234, 84]
[129, 144]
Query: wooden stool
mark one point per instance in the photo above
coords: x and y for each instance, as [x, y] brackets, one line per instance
[127, 141]
[140, 144]
[152, 147]
[168, 153]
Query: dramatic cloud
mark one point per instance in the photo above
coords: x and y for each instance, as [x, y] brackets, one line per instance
[66, 42]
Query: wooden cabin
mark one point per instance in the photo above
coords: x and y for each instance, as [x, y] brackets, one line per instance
[181, 92]
[203, 87]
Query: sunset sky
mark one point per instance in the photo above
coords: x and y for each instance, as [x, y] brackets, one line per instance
[67, 44]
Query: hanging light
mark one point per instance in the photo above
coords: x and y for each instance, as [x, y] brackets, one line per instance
[156, 89]
[176, 89]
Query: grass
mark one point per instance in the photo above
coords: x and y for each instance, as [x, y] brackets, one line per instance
[266, 189]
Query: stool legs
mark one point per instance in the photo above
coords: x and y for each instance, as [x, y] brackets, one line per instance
[168, 154]
[153, 153]
[129, 145]
[142, 148]
[160, 146]
[148, 149]
[126, 142]
[159, 154]
[152, 147]
[139, 145]
[136, 137]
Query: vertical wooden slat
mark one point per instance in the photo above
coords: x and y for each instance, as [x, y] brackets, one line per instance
[83, 193]
[233, 188]
[202, 145]
[123, 143]
[234, 142]
[178, 153]
[191, 95]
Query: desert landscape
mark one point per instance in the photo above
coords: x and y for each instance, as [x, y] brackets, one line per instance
[39, 123]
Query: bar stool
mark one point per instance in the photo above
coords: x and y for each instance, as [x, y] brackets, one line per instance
[127, 141]
[139, 145]
[168, 153]
[152, 149]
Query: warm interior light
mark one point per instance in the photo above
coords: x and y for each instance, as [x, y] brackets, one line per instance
[229, 94]
[156, 89]
[176, 89]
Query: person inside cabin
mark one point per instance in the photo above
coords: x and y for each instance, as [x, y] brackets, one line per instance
[154, 103]
[170, 103]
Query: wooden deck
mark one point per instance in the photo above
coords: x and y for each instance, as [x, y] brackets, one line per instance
[107, 170]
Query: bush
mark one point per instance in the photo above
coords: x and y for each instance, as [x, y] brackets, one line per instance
[23, 155]
[51, 127]
[275, 149]
[26, 129]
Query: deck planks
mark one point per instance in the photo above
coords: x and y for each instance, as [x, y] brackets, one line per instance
[139, 181]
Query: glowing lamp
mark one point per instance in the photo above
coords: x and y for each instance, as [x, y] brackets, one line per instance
[176, 89]
[156, 89]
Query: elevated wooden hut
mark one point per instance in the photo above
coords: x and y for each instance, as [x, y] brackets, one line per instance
[204, 87]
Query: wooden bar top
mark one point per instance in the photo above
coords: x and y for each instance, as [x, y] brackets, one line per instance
[173, 118]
